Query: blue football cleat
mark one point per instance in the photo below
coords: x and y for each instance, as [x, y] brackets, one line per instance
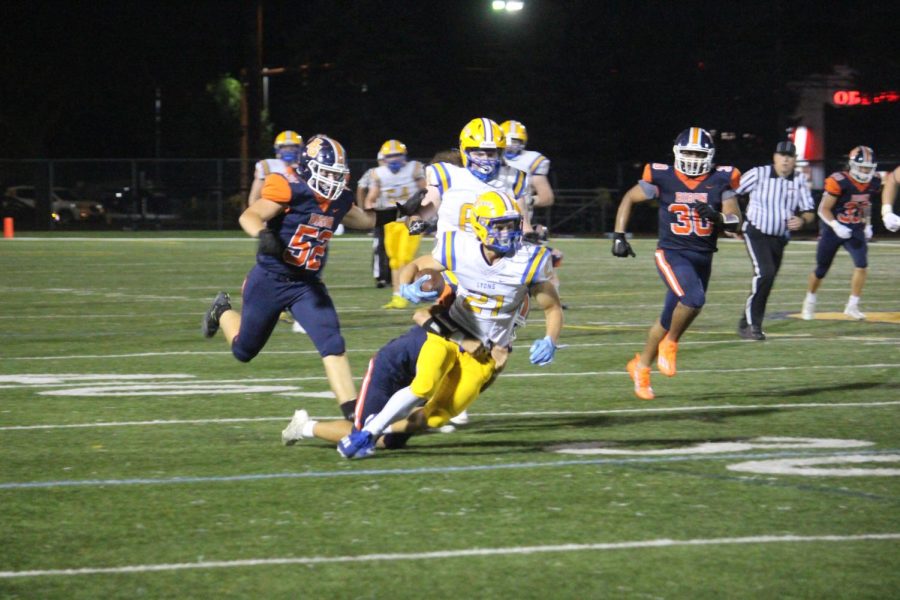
[358, 444]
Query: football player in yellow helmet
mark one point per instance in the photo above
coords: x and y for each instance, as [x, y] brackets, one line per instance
[514, 272]
[393, 153]
[390, 186]
[539, 192]
[480, 143]
[535, 164]
[287, 148]
[497, 222]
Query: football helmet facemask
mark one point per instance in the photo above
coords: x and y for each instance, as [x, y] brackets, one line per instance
[323, 165]
[516, 137]
[497, 222]
[480, 143]
[287, 146]
[862, 164]
[393, 153]
[700, 144]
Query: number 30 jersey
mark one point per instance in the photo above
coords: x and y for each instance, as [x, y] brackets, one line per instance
[304, 228]
[680, 227]
[489, 297]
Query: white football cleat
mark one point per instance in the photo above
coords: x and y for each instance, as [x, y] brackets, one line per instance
[461, 419]
[853, 313]
[297, 328]
[293, 433]
[809, 310]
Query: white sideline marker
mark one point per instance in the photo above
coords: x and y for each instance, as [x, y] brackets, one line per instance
[441, 554]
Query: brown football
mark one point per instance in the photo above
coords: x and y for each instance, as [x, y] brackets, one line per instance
[435, 281]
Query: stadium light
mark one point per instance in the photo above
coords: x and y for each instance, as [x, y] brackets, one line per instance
[508, 5]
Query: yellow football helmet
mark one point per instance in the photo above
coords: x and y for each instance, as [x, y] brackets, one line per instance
[393, 153]
[516, 137]
[497, 222]
[484, 136]
[287, 146]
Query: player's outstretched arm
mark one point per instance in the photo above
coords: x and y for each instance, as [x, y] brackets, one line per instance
[888, 195]
[357, 218]
[543, 350]
[621, 247]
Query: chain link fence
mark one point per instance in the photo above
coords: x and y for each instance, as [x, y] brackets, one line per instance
[199, 194]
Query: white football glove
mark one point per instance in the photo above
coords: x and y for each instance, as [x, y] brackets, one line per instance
[891, 221]
[869, 232]
[842, 231]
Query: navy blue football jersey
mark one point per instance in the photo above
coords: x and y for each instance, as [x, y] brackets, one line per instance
[854, 199]
[305, 227]
[680, 227]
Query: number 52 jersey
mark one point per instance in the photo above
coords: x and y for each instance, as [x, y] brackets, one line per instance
[680, 227]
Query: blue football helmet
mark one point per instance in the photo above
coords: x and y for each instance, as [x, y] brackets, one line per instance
[287, 146]
[700, 144]
[862, 164]
[481, 142]
[323, 165]
[497, 222]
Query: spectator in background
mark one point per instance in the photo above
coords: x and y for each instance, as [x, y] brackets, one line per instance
[777, 193]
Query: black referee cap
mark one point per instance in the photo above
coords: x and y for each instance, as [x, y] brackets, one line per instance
[786, 148]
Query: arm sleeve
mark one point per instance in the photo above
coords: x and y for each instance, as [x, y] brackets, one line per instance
[807, 204]
[833, 187]
[651, 190]
[276, 189]
[539, 166]
[437, 175]
[748, 181]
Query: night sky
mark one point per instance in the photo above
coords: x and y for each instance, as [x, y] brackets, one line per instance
[595, 82]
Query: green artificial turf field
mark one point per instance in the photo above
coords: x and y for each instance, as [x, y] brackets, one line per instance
[140, 460]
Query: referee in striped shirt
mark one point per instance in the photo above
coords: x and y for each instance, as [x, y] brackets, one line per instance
[777, 194]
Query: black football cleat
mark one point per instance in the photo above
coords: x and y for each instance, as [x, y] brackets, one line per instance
[751, 332]
[210, 324]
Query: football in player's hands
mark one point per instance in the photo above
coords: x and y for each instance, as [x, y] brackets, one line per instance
[435, 282]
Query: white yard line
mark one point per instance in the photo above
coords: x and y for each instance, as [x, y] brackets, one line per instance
[444, 554]
[802, 337]
[502, 415]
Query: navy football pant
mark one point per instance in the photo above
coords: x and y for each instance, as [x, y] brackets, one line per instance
[267, 294]
[828, 246]
[686, 274]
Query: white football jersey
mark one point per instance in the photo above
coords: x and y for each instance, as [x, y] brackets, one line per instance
[459, 189]
[397, 187]
[533, 163]
[490, 297]
[269, 165]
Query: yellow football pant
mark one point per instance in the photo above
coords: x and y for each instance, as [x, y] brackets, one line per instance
[448, 378]
[400, 247]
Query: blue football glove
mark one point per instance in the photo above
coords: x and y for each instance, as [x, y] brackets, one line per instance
[542, 352]
[414, 293]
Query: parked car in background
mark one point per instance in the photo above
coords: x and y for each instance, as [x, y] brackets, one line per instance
[65, 205]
